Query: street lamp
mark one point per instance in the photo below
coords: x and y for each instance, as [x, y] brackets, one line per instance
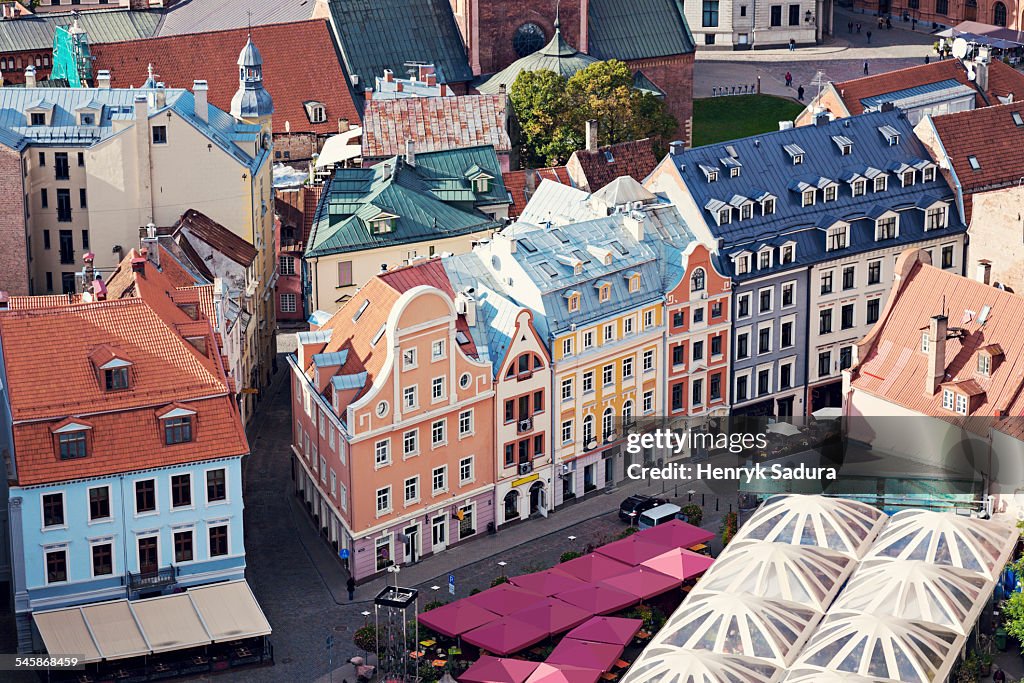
[572, 538]
[502, 564]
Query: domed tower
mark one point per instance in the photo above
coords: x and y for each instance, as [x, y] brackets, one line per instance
[251, 102]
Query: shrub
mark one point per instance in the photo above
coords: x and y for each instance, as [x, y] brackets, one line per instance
[434, 604]
[498, 580]
[474, 591]
[569, 555]
[627, 532]
[694, 513]
[365, 638]
[729, 526]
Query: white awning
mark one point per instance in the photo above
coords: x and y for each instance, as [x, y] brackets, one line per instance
[118, 629]
[342, 147]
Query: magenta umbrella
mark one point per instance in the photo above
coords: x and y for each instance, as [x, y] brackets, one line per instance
[505, 636]
[551, 673]
[643, 582]
[601, 656]
[504, 599]
[614, 630]
[598, 598]
[680, 563]
[633, 549]
[547, 582]
[489, 669]
[456, 618]
[593, 567]
[675, 534]
[553, 615]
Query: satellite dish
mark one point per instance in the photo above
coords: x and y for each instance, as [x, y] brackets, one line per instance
[960, 48]
[970, 73]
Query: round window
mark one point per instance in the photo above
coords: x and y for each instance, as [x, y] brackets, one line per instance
[382, 408]
[528, 39]
[465, 380]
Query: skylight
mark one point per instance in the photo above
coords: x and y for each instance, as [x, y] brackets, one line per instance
[527, 245]
[560, 235]
[362, 309]
[461, 338]
[380, 333]
[973, 161]
[548, 269]
[609, 157]
[1017, 120]
[617, 246]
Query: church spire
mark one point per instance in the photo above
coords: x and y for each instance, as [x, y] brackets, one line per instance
[251, 100]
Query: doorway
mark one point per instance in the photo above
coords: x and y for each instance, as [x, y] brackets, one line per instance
[537, 498]
[785, 407]
[609, 471]
[412, 544]
[439, 533]
[148, 560]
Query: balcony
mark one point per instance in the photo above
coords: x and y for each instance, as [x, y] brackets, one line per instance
[152, 580]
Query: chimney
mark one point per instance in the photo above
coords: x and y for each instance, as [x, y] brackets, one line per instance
[821, 119]
[431, 80]
[139, 265]
[103, 79]
[675, 147]
[634, 224]
[342, 125]
[30, 76]
[936, 354]
[383, 267]
[887, 106]
[199, 93]
[985, 271]
[5, 300]
[141, 109]
[981, 79]
[389, 76]
[387, 170]
[151, 243]
[591, 135]
[444, 90]
[410, 152]
[368, 94]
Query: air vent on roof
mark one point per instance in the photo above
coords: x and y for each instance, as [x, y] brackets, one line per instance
[362, 309]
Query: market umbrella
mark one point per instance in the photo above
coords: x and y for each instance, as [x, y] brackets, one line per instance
[612, 630]
[676, 534]
[547, 582]
[489, 669]
[553, 615]
[784, 429]
[643, 582]
[828, 413]
[505, 636]
[598, 599]
[633, 549]
[504, 599]
[592, 568]
[456, 618]
[680, 563]
[551, 673]
[583, 653]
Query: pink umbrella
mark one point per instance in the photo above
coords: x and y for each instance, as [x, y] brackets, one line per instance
[601, 656]
[593, 567]
[504, 599]
[676, 534]
[553, 615]
[633, 549]
[598, 599]
[642, 582]
[614, 630]
[456, 618]
[498, 670]
[549, 673]
[680, 563]
[505, 636]
[547, 582]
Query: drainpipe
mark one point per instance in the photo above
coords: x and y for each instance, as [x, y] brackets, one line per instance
[807, 340]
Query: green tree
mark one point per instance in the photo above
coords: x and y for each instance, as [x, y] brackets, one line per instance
[538, 99]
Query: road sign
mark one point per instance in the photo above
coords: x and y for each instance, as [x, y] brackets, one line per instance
[330, 642]
[343, 553]
[451, 584]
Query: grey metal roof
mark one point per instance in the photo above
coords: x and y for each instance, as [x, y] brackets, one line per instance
[349, 382]
[385, 34]
[639, 29]
[35, 32]
[876, 100]
[325, 360]
[558, 56]
[199, 16]
[558, 204]
[314, 336]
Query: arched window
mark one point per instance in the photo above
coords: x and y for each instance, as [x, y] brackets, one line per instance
[999, 14]
[697, 280]
[511, 505]
[588, 430]
[528, 39]
[627, 413]
[608, 424]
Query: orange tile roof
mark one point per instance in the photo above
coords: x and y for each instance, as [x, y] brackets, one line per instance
[1002, 80]
[216, 236]
[893, 367]
[47, 386]
[521, 184]
[300, 64]
[436, 124]
[634, 158]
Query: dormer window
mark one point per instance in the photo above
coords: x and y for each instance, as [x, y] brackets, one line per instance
[577, 268]
[764, 259]
[796, 153]
[961, 404]
[115, 379]
[742, 264]
[925, 343]
[787, 254]
[604, 292]
[746, 211]
[634, 282]
[177, 422]
[316, 112]
[768, 206]
[72, 440]
[907, 178]
[807, 197]
[886, 228]
[928, 174]
[891, 135]
[482, 185]
[710, 173]
[724, 216]
[734, 172]
[573, 301]
[829, 193]
[948, 399]
[984, 364]
[989, 358]
[87, 118]
[935, 217]
[859, 187]
[837, 238]
[382, 223]
[880, 183]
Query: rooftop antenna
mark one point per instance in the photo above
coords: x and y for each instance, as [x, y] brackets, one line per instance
[249, 32]
[820, 79]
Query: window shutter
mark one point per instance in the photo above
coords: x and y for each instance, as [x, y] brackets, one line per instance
[344, 273]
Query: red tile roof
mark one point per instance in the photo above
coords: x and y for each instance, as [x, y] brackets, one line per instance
[634, 158]
[521, 184]
[893, 367]
[48, 385]
[297, 208]
[300, 64]
[216, 236]
[435, 123]
[1002, 80]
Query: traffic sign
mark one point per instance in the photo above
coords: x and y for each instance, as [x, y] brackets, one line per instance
[343, 553]
[451, 584]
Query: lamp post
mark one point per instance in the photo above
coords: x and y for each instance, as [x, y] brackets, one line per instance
[502, 564]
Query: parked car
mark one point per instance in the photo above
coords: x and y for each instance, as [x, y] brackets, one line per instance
[632, 507]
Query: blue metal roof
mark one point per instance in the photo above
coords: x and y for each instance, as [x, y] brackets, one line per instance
[325, 360]
[349, 382]
[767, 166]
[876, 100]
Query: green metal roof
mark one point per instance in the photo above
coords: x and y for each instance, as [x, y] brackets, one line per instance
[432, 200]
[640, 29]
[644, 84]
[103, 26]
[558, 56]
[385, 34]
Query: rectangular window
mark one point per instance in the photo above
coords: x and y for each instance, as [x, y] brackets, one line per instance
[648, 401]
[679, 354]
[716, 345]
[437, 389]
[218, 540]
[64, 205]
[698, 350]
[786, 335]
[437, 350]
[566, 433]
[764, 340]
[183, 546]
[961, 404]
[677, 396]
[57, 565]
[567, 389]
[439, 479]
[410, 442]
[44, 198]
[648, 361]
[776, 15]
[846, 316]
[181, 490]
[710, 14]
[609, 333]
[99, 503]
[465, 423]
[102, 559]
[588, 382]
[588, 339]
[849, 277]
[437, 433]
[741, 388]
[81, 158]
[286, 265]
[46, 239]
[826, 282]
[763, 382]
[412, 490]
[159, 135]
[72, 445]
[872, 315]
[947, 399]
[216, 486]
[715, 387]
[145, 496]
[785, 376]
[466, 470]
[935, 218]
[115, 379]
[344, 273]
[53, 509]
[764, 300]
[627, 368]
[288, 303]
[845, 357]
[824, 364]
[743, 345]
[608, 375]
[178, 430]
[885, 228]
[61, 168]
[716, 310]
[409, 397]
[874, 272]
[743, 305]
[794, 15]
[382, 453]
[698, 314]
[825, 321]
[836, 239]
[567, 347]
[627, 326]
[947, 256]
[697, 392]
[85, 237]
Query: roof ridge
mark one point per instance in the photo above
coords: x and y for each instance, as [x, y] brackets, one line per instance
[250, 29]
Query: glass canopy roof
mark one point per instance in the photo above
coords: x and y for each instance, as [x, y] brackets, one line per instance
[846, 526]
[673, 665]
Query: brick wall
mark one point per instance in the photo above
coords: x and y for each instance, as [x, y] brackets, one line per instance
[674, 75]
[291, 147]
[14, 255]
[498, 25]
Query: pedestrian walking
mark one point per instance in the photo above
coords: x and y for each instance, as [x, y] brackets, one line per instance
[789, 80]
[800, 93]
[849, 27]
[792, 44]
[888, 23]
[927, 59]
[869, 37]
[351, 585]
[865, 68]
[913, 24]
[858, 27]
